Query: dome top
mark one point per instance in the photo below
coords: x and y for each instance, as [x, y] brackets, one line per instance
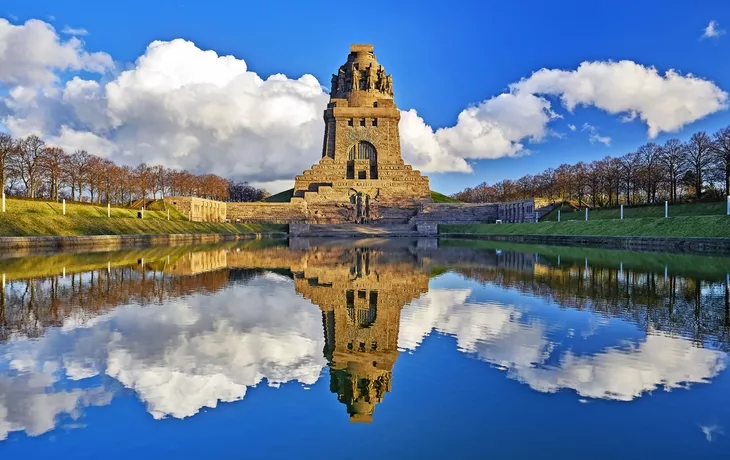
[361, 78]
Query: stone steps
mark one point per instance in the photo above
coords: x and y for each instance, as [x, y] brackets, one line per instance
[360, 230]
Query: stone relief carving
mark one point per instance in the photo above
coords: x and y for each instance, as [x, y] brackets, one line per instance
[350, 78]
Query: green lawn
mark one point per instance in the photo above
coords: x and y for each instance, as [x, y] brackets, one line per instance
[699, 226]
[15, 206]
[441, 198]
[568, 212]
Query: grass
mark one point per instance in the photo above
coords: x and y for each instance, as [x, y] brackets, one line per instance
[281, 197]
[44, 218]
[441, 198]
[15, 206]
[687, 227]
[688, 265]
[569, 212]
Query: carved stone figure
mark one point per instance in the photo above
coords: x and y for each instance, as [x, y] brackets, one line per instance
[355, 79]
[381, 79]
[333, 84]
[389, 85]
[341, 81]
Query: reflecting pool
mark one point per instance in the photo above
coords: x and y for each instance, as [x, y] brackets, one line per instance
[364, 349]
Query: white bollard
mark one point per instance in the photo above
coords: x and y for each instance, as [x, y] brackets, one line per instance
[622, 212]
[4, 201]
[666, 209]
[168, 214]
[558, 260]
[109, 267]
[142, 212]
[558, 215]
[64, 273]
[665, 272]
[64, 206]
[728, 204]
[536, 218]
[108, 209]
[586, 213]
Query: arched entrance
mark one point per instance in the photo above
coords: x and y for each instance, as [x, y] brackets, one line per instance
[362, 161]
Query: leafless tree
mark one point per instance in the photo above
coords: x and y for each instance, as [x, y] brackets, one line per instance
[699, 157]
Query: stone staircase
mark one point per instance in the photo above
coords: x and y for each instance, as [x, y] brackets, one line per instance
[361, 230]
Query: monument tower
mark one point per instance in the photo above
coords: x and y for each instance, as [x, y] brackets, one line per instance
[362, 176]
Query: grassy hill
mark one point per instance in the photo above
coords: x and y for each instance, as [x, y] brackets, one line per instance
[285, 196]
[569, 211]
[45, 218]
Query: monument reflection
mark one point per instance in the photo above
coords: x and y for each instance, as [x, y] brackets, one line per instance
[218, 320]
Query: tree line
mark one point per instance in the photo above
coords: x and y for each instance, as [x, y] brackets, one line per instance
[29, 167]
[675, 171]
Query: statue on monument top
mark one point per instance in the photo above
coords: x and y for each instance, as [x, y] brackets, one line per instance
[355, 79]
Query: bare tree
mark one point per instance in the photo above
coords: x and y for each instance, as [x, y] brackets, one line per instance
[721, 155]
[78, 171]
[7, 150]
[650, 155]
[673, 158]
[53, 162]
[28, 163]
[699, 156]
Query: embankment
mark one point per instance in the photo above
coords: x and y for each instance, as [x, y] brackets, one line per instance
[702, 234]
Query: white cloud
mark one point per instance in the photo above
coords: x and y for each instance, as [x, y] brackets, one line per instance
[712, 30]
[185, 107]
[594, 136]
[72, 31]
[32, 53]
[665, 103]
[571, 127]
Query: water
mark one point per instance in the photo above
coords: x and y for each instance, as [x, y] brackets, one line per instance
[374, 349]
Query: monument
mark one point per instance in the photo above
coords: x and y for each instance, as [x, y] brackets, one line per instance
[361, 176]
[361, 162]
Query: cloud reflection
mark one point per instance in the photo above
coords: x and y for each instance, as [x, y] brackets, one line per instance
[178, 357]
[503, 336]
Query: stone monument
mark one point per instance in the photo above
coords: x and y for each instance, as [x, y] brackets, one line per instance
[361, 176]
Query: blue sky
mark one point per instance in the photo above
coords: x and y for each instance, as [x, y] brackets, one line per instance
[443, 57]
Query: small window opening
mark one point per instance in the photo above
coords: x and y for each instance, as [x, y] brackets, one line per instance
[362, 122]
[375, 122]
[349, 122]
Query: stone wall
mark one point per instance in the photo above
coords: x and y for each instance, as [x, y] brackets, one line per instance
[198, 209]
[275, 213]
[457, 213]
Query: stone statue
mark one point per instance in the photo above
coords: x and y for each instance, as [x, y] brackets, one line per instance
[341, 81]
[389, 85]
[333, 84]
[381, 79]
[372, 78]
[355, 79]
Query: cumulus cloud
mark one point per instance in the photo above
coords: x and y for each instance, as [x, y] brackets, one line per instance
[572, 127]
[189, 108]
[712, 30]
[178, 357]
[31, 54]
[72, 31]
[594, 136]
[665, 103]
[504, 336]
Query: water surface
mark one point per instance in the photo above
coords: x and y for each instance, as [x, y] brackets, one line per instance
[369, 349]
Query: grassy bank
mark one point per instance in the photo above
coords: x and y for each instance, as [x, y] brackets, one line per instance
[55, 225]
[568, 212]
[686, 227]
[15, 207]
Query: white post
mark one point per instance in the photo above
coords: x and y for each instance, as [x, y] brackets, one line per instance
[728, 204]
[109, 266]
[536, 217]
[64, 206]
[142, 211]
[64, 273]
[622, 212]
[665, 273]
[666, 209]
[728, 201]
[586, 213]
[168, 214]
[558, 259]
[558, 215]
[109, 209]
